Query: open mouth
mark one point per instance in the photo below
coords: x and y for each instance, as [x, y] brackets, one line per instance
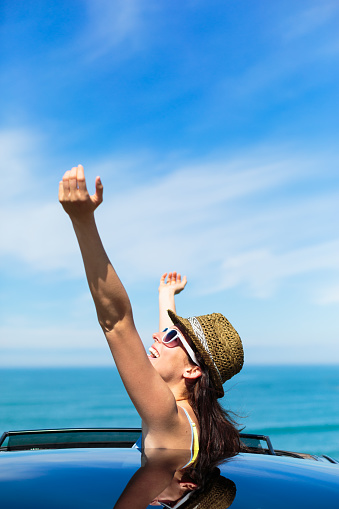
[153, 353]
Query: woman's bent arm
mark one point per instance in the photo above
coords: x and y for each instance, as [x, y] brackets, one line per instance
[167, 291]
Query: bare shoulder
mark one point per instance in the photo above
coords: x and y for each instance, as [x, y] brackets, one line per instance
[178, 436]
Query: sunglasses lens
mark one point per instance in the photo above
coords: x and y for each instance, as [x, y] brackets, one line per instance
[169, 336]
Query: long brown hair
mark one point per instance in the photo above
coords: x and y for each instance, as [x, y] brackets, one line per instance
[219, 434]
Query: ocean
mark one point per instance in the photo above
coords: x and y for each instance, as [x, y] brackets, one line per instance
[297, 406]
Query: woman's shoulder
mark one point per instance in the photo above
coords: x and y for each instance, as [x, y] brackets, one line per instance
[178, 436]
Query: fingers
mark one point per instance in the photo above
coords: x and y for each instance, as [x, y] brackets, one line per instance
[180, 282]
[81, 181]
[74, 196]
[73, 182]
[61, 191]
[163, 277]
[173, 278]
[99, 191]
[65, 183]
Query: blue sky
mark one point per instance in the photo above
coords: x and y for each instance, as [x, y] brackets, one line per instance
[214, 128]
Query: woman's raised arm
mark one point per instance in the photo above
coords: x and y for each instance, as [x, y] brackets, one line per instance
[109, 295]
[149, 393]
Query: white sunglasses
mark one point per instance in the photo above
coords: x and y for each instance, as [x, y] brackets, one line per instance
[171, 335]
[178, 504]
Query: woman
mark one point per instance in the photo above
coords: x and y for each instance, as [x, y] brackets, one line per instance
[175, 388]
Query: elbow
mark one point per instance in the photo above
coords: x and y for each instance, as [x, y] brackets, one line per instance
[107, 325]
[110, 322]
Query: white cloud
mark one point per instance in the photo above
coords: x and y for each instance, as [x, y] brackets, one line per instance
[328, 294]
[19, 157]
[299, 354]
[310, 19]
[39, 236]
[48, 357]
[31, 229]
[253, 223]
[54, 337]
[215, 219]
[186, 207]
[233, 218]
[58, 343]
[263, 270]
[111, 25]
[34, 230]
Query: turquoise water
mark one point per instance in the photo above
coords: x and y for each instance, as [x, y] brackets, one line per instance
[298, 407]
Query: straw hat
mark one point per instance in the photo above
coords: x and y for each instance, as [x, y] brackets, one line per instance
[219, 494]
[218, 343]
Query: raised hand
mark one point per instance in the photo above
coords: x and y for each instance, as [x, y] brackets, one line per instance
[73, 194]
[174, 282]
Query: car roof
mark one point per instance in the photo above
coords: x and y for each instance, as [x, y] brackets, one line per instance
[95, 477]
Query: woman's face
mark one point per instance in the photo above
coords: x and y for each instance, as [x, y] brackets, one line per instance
[169, 362]
[175, 490]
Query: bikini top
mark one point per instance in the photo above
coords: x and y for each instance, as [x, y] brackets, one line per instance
[194, 441]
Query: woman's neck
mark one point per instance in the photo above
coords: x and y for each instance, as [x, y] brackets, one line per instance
[179, 392]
